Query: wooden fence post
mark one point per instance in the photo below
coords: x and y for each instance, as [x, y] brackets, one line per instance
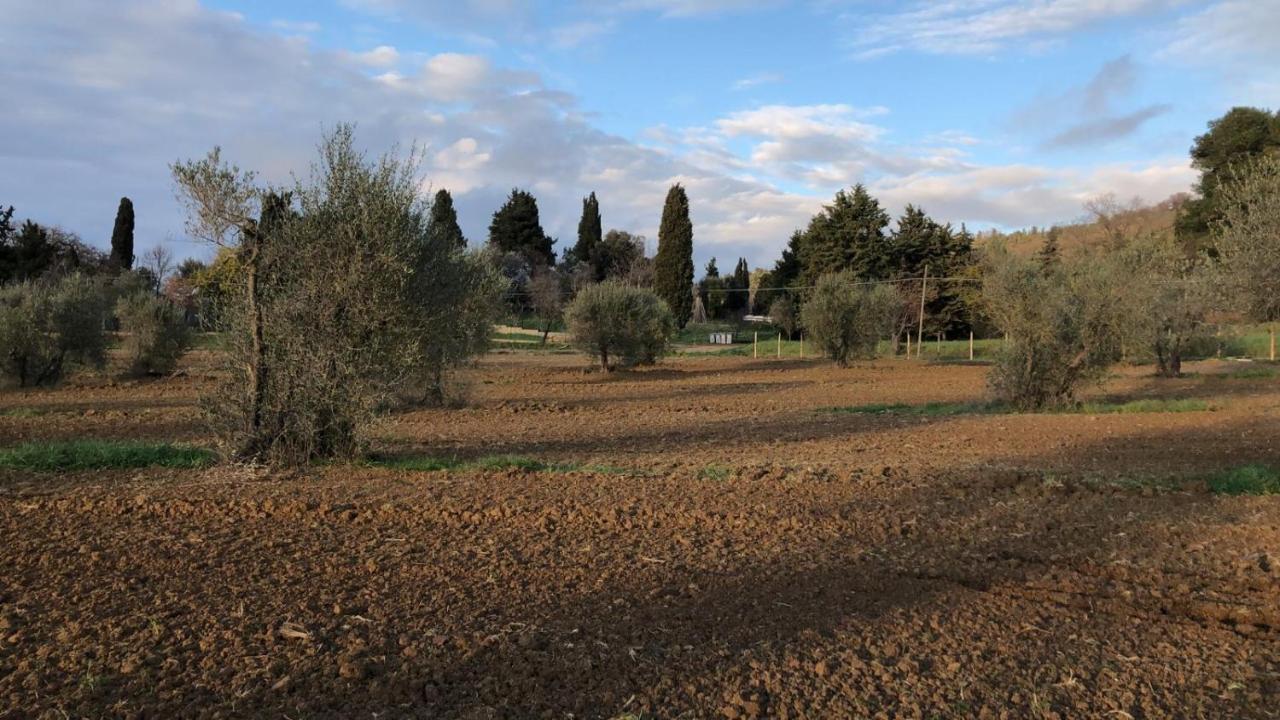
[755, 346]
[970, 345]
[779, 344]
[920, 333]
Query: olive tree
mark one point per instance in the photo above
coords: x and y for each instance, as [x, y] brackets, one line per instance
[1248, 242]
[337, 300]
[1063, 325]
[155, 333]
[848, 319]
[618, 323]
[1169, 298]
[49, 325]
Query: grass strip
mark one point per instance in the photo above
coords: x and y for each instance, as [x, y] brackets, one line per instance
[102, 455]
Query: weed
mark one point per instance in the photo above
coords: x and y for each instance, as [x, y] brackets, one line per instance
[101, 455]
[1150, 405]
[714, 472]
[20, 412]
[1246, 480]
[933, 409]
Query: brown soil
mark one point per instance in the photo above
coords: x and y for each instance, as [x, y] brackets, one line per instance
[756, 559]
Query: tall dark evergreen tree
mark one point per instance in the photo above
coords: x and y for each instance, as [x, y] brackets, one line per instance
[849, 234]
[516, 228]
[7, 257]
[711, 271]
[673, 265]
[739, 286]
[442, 224]
[122, 236]
[1049, 253]
[589, 231]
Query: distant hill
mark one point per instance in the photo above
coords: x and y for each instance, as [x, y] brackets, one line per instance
[1105, 218]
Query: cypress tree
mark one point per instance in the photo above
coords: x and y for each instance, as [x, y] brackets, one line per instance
[122, 236]
[442, 224]
[589, 232]
[673, 265]
[739, 284]
[516, 228]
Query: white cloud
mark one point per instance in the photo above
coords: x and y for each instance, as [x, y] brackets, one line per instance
[983, 26]
[381, 56]
[766, 78]
[104, 118]
[579, 33]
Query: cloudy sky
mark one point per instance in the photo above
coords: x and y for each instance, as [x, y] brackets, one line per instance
[997, 113]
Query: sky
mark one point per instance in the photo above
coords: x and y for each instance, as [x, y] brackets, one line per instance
[993, 113]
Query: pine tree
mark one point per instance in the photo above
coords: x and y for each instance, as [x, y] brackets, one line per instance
[589, 232]
[711, 270]
[122, 236]
[516, 229]
[442, 224]
[849, 234]
[673, 265]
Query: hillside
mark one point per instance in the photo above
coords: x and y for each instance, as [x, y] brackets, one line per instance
[1104, 218]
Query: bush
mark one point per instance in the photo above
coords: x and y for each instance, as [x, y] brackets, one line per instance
[616, 321]
[847, 319]
[782, 313]
[46, 326]
[1063, 325]
[156, 333]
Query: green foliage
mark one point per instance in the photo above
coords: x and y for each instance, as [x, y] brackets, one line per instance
[617, 256]
[122, 236]
[47, 326]
[847, 319]
[1064, 325]
[673, 265]
[589, 237]
[442, 226]
[783, 315]
[1150, 405]
[617, 322]
[1241, 135]
[316, 349]
[1247, 235]
[1246, 480]
[77, 455]
[847, 235]
[155, 333]
[516, 229]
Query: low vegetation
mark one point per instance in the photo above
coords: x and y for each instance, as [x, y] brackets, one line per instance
[101, 455]
[49, 325]
[1246, 480]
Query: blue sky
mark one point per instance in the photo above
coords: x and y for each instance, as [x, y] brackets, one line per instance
[996, 113]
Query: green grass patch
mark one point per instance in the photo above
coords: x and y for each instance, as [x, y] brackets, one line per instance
[1150, 405]
[718, 473]
[102, 455]
[20, 412]
[933, 409]
[1246, 480]
[1261, 372]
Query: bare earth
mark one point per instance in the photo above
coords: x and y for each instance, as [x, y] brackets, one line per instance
[732, 553]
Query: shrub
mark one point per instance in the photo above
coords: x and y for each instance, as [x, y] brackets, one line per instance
[613, 321]
[1063, 325]
[156, 333]
[334, 302]
[48, 325]
[782, 313]
[847, 319]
